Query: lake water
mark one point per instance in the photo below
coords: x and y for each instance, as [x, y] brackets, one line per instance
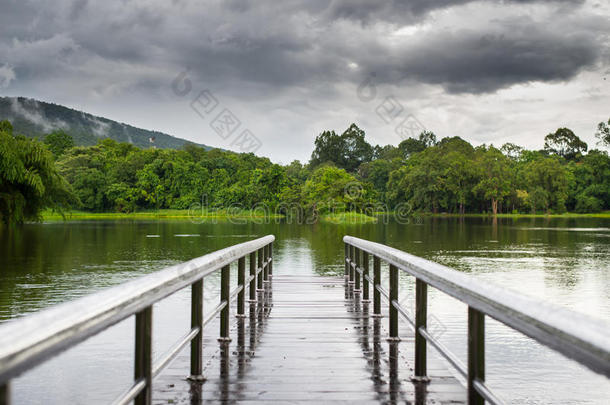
[563, 261]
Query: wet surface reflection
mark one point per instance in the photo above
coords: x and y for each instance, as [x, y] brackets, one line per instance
[317, 343]
[563, 261]
[234, 356]
[390, 361]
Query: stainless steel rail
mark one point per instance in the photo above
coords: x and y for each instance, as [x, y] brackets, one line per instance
[575, 335]
[33, 339]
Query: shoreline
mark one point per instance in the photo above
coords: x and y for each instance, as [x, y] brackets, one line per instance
[336, 218]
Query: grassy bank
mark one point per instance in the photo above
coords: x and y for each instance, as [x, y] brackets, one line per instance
[336, 218]
[603, 214]
[348, 218]
[157, 214]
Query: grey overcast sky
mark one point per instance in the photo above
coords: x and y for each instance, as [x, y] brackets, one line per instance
[490, 71]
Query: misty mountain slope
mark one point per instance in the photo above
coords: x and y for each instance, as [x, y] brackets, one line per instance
[36, 118]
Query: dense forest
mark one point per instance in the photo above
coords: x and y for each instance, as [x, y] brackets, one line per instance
[345, 173]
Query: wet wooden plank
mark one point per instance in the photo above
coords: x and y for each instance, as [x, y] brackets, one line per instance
[308, 340]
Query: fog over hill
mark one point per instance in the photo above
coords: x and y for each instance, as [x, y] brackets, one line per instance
[35, 118]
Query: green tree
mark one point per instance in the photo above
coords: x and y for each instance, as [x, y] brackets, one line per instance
[296, 171]
[427, 138]
[421, 182]
[548, 182]
[331, 188]
[329, 147]
[30, 181]
[564, 143]
[603, 133]
[461, 177]
[439, 177]
[58, 142]
[537, 197]
[512, 151]
[356, 150]
[347, 151]
[377, 173]
[387, 152]
[590, 190]
[410, 146]
[495, 184]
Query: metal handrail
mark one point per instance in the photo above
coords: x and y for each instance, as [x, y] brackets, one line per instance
[575, 335]
[33, 339]
[173, 351]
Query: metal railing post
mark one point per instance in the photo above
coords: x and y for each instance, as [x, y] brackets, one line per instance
[376, 282]
[352, 258]
[271, 262]
[347, 265]
[252, 283]
[225, 278]
[259, 278]
[365, 275]
[143, 355]
[102, 310]
[476, 354]
[421, 315]
[5, 393]
[197, 322]
[265, 257]
[393, 298]
[241, 281]
[357, 273]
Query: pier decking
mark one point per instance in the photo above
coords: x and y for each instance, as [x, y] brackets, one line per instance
[309, 339]
[302, 338]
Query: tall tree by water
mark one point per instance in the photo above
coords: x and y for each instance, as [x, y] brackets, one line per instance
[547, 181]
[29, 180]
[347, 151]
[494, 184]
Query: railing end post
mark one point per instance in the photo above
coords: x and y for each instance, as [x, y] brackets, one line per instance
[241, 282]
[376, 282]
[271, 262]
[476, 354]
[393, 320]
[252, 284]
[197, 322]
[143, 355]
[225, 276]
[421, 321]
[5, 393]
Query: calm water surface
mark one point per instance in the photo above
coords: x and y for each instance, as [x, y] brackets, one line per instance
[563, 261]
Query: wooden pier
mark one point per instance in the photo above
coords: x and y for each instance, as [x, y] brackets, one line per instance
[279, 337]
[309, 339]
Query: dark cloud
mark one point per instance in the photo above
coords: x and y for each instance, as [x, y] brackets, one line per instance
[301, 60]
[407, 10]
[478, 62]
[77, 8]
[295, 43]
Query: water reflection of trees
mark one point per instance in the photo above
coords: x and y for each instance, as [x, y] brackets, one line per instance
[64, 259]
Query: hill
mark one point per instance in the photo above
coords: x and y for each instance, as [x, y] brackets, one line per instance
[35, 118]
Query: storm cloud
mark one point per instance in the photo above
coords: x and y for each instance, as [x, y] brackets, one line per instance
[265, 55]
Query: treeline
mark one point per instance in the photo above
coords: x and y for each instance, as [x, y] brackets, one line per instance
[345, 173]
[452, 176]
